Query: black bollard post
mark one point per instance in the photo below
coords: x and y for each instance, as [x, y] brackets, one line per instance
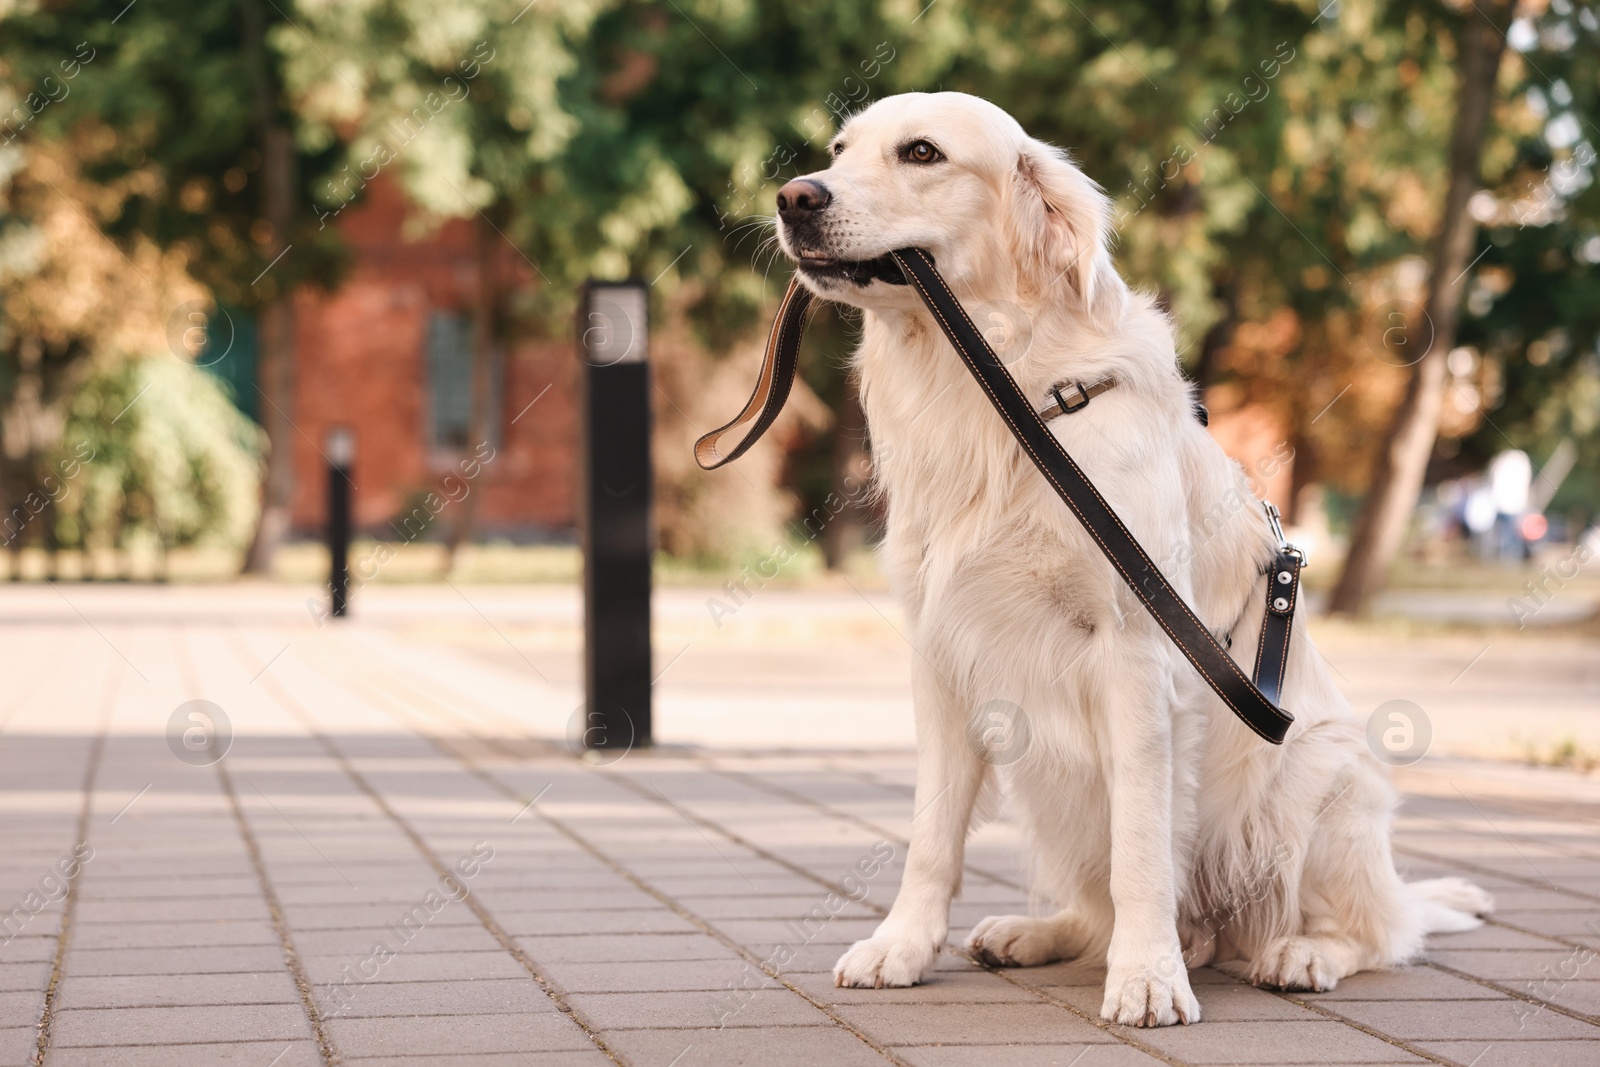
[615, 492]
[340, 450]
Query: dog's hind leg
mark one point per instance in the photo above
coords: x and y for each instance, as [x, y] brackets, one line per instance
[1024, 941]
[1355, 913]
[949, 774]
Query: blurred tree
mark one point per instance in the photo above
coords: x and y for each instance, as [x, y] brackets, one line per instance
[1402, 459]
[1532, 327]
[1532, 314]
[182, 109]
[176, 471]
[1522, 131]
[72, 300]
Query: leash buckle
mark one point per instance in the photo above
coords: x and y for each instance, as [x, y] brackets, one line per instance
[1077, 405]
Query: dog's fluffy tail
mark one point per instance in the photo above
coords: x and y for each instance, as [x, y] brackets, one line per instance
[1448, 905]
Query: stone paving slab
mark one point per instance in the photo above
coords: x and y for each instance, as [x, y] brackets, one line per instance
[199, 1054]
[398, 862]
[149, 991]
[1018, 1055]
[124, 1026]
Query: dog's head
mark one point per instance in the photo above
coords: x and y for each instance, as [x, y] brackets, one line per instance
[1004, 215]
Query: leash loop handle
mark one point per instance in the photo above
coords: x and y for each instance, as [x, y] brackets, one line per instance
[778, 366]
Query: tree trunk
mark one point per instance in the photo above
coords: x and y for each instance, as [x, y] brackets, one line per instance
[276, 347]
[275, 381]
[21, 441]
[1401, 463]
[480, 410]
[847, 530]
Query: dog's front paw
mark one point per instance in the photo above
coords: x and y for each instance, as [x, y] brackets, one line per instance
[1014, 941]
[1293, 963]
[885, 960]
[1141, 997]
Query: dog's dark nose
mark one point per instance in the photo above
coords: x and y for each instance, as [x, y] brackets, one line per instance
[800, 199]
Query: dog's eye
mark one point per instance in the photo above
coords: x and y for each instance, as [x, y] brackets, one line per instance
[921, 152]
[838, 150]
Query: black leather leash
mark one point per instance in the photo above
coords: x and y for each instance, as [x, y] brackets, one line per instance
[1253, 701]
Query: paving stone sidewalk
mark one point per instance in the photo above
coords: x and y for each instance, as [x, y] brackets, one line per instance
[390, 866]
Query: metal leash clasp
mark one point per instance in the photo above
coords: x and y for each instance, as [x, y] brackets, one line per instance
[1277, 522]
[1284, 547]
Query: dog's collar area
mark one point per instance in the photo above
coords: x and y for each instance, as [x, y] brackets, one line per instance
[1069, 398]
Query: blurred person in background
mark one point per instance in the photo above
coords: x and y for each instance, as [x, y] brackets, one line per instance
[1478, 516]
[1510, 480]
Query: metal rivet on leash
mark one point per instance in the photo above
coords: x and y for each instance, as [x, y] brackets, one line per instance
[1284, 577]
[1281, 603]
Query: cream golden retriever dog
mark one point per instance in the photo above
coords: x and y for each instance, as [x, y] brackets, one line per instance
[1164, 833]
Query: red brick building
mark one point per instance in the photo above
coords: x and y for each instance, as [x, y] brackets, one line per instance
[388, 354]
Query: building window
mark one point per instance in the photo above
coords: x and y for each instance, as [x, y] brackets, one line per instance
[450, 377]
[450, 382]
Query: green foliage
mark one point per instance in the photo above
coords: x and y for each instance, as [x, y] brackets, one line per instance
[169, 112]
[1533, 310]
[1276, 164]
[164, 454]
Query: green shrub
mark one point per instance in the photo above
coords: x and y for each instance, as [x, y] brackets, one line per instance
[164, 455]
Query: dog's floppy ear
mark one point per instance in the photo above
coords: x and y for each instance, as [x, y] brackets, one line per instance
[1063, 222]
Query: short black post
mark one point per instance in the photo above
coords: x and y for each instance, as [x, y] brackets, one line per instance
[615, 492]
[340, 450]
